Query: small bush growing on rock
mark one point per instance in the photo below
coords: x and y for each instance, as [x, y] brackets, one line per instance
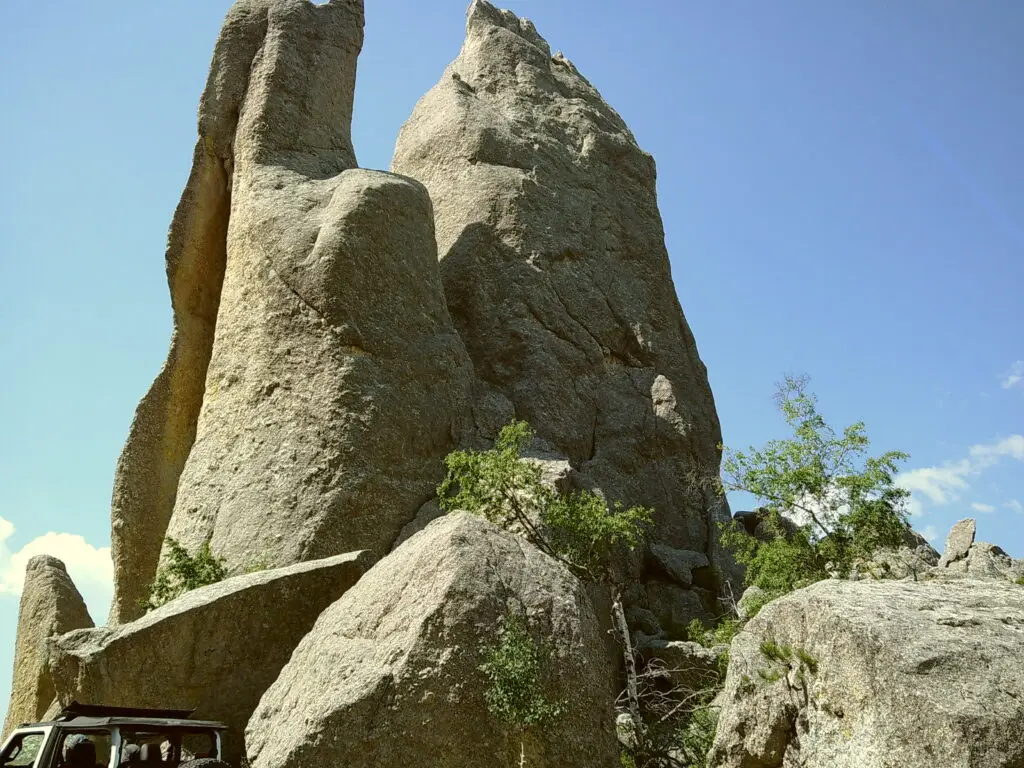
[579, 528]
[513, 668]
[848, 503]
[182, 572]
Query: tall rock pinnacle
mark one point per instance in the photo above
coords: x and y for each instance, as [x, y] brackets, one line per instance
[556, 273]
[50, 605]
[315, 379]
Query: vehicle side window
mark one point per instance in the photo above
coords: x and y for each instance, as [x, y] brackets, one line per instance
[22, 750]
[89, 749]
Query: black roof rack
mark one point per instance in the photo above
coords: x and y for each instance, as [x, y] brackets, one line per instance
[74, 709]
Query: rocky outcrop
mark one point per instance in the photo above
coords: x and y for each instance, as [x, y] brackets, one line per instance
[888, 674]
[215, 649]
[313, 345]
[50, 605]
[390, 673]
[958, 542]
[965, 557]
[554, 264]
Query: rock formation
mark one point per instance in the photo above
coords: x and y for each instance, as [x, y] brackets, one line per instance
[556, 274]
[958, 542]
[894, 674]
[964, 556]
[312, 345]
[215, 649]
[389, 675]
[50, 605]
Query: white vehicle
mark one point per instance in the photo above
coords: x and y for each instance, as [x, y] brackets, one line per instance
[87, 736]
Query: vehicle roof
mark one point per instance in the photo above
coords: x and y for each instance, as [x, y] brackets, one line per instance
[80, 716]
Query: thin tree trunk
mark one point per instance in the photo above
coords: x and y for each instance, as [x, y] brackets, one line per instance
[622, 630]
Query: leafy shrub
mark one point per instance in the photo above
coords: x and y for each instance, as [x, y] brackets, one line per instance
[498, 484]
[182, 572]
[513, 669]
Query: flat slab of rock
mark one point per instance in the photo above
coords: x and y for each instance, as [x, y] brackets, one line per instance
[215, 649]
[50, 605]
[900, 675]
[389, 676]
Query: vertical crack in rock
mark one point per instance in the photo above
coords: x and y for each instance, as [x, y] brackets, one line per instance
[315, 379]
[556, 272]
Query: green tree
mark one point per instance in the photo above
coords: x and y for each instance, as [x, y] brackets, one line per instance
[848, 500]
[181, 572]
[580, 528]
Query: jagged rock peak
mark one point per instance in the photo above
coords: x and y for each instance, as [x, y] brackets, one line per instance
[556, 273]
[50, 605]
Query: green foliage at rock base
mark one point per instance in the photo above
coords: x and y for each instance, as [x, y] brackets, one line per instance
[182, 572]
[579, 528]
[514, 671]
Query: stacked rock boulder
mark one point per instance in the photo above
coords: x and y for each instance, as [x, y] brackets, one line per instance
[326, 356]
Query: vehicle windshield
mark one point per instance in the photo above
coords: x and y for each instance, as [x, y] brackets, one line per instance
[22, 750]
[164, 748]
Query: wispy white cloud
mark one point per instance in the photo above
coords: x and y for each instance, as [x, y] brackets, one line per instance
[939, 484]
[944, 484]
[1015, 506]
[89, 567]
[987, 454]
[979, 507]
[1015, 376]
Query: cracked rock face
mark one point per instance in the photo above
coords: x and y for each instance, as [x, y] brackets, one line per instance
[555, 269]
[902, 675]
[50, 605]
[313, 347]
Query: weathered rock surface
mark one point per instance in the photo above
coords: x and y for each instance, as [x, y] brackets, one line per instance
[556, 273]
[389, 675]
[313, 345]
[958, 542]
[215, 649]
[50, 605]
[906, 675]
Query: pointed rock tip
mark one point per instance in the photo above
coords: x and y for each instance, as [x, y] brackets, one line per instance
[482, 12]
[39, 562]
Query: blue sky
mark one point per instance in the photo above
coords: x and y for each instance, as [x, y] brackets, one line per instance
[840, 183]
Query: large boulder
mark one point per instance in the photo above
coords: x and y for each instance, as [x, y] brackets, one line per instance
[556, 273]
[313, 345]
[390, 676]
[50, 605]
[215, 649]
[887, 674]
